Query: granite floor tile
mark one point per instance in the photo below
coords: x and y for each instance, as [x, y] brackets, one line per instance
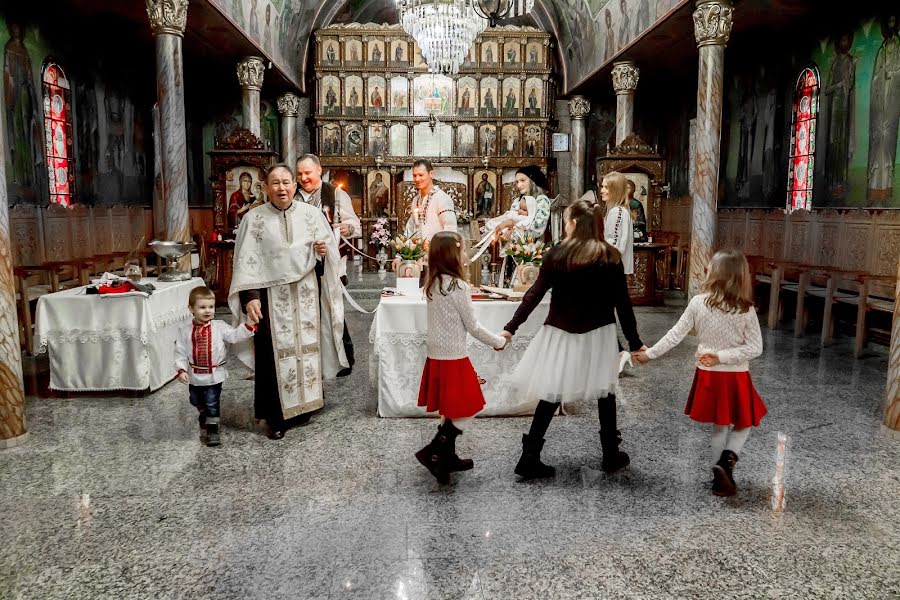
[115, 497]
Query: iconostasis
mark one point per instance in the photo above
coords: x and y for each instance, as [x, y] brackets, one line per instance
[378, 109]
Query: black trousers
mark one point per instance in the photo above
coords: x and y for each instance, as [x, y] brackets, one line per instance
[348, 344]
[266, 401]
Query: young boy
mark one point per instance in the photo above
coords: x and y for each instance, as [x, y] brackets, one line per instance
[200, 357]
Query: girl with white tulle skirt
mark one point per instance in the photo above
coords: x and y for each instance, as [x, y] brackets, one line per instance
[574, 356]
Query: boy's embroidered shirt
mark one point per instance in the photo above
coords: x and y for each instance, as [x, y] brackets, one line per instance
[734, 337]
[200, 349]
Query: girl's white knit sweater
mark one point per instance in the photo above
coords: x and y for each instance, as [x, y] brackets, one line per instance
[734, 337]
[450, 317]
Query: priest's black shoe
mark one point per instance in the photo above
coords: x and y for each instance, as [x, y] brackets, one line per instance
[345, 371]
[274, 434]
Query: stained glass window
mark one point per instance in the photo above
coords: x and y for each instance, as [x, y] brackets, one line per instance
[58, 135]
[803, 140]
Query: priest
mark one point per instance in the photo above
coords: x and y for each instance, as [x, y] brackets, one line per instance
[279, 248]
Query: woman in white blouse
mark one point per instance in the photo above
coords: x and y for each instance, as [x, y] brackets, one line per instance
[618, 230]
[617, 226]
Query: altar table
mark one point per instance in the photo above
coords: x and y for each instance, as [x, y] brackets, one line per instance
[100, 343]
[398, 355]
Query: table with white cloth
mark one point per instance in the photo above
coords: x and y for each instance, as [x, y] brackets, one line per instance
[113, 341]
[398, 355]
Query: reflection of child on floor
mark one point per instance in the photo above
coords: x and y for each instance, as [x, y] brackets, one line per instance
[200, 357]
[519, 216]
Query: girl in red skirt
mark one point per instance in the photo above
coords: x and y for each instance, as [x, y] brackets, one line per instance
[722, 393]
[449, 383]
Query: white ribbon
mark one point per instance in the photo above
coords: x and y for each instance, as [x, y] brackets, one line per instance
[482, 246]
[354, 304]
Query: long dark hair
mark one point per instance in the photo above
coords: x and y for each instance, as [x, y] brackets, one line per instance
[444, 258]
[586, 245]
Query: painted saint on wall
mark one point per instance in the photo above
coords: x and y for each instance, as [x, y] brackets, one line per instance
[840, 100]
[23, 127]
[485, 193]
[884, 113]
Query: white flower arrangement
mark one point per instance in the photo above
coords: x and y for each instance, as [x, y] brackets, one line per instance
[526, 250]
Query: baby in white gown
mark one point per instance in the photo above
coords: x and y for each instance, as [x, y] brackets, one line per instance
[521, 213]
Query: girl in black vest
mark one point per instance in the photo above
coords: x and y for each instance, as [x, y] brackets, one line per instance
[574, 356]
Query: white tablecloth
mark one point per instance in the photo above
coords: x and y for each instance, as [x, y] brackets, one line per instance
[398, 355]
[112, 343]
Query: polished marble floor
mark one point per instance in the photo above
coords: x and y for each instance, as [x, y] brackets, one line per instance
[114, 497]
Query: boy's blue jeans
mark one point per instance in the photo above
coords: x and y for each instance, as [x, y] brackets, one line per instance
[206, 399]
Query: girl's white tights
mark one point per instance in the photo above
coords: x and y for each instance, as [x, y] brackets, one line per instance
[725, 439]
[460, 424]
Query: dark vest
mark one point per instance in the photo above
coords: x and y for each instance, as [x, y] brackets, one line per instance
[328, 200]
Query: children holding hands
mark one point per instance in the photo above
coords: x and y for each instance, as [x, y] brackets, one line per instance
[200, 358]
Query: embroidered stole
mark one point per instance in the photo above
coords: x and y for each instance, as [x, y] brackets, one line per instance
[294, 318]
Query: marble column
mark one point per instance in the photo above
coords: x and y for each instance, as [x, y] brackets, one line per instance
[303, 135]
[250, 72]
[892, 404]
[712, 26]
[12, 393]
[579, 108]
[288, 108]
[168, 19]
[625, 77]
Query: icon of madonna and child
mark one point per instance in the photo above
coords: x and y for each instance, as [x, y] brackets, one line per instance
[245, 197]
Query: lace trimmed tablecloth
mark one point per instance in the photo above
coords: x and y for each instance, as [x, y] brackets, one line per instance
[112, 343]
[398, 355]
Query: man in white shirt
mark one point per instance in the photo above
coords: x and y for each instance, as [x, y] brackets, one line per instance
[432, 210]
[337, 207]
[334, 202]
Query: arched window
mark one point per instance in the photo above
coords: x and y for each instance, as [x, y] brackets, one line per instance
[58, 135]
[803, 140]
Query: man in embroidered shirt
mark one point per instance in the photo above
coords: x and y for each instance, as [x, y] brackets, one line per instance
[432, 210]
[298, 341]
[337, 207]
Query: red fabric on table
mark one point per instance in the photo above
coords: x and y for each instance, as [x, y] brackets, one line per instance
[451, 388]
[724, 398]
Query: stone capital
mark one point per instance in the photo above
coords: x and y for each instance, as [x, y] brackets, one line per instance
[579, 107]
[625, 77]
[289, 105]
[250, 71]
[167, 16]
[712, 22]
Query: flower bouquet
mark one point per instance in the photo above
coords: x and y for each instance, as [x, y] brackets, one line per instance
[408, 248]
[381, 237]
[410, 252]
[381, 233]
[464, 217]
[528, 255]
[526, 250]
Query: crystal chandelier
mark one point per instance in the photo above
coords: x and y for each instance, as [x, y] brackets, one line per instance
[494, 10]
[443, 29]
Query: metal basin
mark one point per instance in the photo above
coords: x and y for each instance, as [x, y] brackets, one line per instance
[172, 251]
[168, 249]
